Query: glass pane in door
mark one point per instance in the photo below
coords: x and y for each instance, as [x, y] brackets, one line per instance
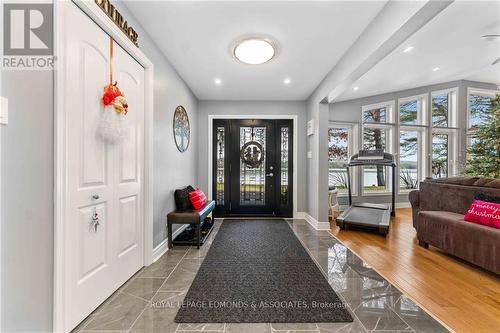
[284, 160]
[252, 166]
[221, 141]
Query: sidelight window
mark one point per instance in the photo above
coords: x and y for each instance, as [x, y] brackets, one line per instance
[220, 132]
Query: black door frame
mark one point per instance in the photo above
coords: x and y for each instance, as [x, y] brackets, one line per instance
[283, 204]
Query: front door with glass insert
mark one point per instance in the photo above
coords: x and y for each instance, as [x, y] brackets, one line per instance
[252, 164]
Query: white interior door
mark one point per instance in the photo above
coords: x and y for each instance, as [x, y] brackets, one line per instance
[102, 178]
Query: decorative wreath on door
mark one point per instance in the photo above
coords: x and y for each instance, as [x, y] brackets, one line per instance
[251, 154]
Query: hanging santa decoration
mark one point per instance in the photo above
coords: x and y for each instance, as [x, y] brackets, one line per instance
[112, 128]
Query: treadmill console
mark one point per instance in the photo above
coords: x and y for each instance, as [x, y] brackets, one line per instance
[373, 154]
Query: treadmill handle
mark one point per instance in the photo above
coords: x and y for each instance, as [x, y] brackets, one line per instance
[349, 185]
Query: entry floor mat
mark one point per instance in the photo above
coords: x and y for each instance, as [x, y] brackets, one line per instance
[257, 271]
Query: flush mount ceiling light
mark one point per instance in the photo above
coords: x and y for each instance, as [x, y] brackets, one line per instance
[254, 51]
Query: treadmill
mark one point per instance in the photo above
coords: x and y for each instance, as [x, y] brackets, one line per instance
[367, 215]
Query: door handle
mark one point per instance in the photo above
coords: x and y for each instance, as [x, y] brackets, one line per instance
[95, 197]
[269, 174]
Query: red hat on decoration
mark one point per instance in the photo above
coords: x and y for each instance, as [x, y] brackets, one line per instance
[111, 91]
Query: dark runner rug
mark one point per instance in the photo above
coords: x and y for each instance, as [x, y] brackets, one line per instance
[257, 271]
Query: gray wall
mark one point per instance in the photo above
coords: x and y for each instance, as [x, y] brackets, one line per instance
[27, 207]
[350, 111]
[172, 169]
[206, 108]
[317, 165]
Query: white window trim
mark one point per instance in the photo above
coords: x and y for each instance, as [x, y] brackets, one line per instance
[452, 108]
[352, 146]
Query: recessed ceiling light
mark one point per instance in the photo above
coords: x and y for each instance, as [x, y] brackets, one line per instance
[355, 88]
[218, 81]
[254, 51]
[408, 49]
[435, 69]
[287, 81]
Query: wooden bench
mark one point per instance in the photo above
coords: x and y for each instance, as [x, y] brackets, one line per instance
[190, 216]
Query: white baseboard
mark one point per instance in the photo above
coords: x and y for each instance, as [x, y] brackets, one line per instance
[162, 248]
[316, 224]
[300, 215]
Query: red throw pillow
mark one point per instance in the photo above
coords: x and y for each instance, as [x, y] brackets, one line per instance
[198, 198]
[484, 212]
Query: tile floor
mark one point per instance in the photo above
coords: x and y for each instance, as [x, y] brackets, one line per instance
[148, 302]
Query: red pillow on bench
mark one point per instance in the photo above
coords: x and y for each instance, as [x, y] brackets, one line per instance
[484, 212]
[198, 198]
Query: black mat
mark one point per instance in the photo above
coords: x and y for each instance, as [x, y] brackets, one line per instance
[257, 271]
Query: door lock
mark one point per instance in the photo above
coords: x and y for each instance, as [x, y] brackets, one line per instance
[95, 197]
[270, 174]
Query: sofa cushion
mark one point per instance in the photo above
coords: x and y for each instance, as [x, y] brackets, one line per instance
[445, 195]
[485, 213]
[489, 198]
[449, 231]
[198, 198]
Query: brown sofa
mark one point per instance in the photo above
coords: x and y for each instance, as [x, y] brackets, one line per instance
[439, 207]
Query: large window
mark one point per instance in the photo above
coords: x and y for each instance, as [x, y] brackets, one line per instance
[443, 133]
[421, 132]
[377, 132]
[408, 159]
[341, 143]
[479, 105]
[412, 129]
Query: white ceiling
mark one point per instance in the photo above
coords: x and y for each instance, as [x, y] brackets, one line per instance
[196, 38]
[451, 41]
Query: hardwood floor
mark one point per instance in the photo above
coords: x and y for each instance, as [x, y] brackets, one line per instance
[463, 297]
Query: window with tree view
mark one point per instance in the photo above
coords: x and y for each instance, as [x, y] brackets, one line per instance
[440, 155]
[479, 107]
[378, 115]
[440, 105]
[408, 112]
[338, 157]
[374, 177]
[408, 160]
[444, 132]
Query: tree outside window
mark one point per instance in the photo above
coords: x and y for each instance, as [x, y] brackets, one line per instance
[374, 178]
[440, 153]
[338, 157]
[440, 105]
[479, 109]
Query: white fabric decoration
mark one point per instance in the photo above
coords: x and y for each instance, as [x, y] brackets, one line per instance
[112, 126]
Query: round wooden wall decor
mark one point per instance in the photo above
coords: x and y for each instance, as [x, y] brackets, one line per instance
[182, 130]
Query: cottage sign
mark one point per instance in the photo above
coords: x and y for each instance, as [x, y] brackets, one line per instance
[118, 19]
